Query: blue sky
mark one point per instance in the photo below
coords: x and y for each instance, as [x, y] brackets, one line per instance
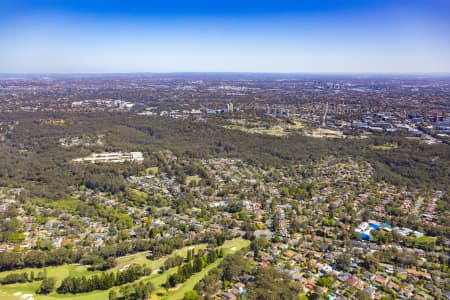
[93, 36]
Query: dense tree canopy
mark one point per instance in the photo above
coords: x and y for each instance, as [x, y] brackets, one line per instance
[32, 157]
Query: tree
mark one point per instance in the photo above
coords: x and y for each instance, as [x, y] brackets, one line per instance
[211, 283]
[363, 295]
[197, 265]
[259, 244]
[270, 284]
[112, 295]
[189, 255]
[233, 265]
[172, 280]
[35, 258]
[143, 290]
[47, 286]
[343, 261]
[127, 292]
[190, 295]
[325, 281]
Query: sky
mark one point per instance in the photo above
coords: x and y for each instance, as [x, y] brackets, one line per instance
[302, 36]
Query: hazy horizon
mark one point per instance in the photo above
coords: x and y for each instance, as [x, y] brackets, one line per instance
[345, 74]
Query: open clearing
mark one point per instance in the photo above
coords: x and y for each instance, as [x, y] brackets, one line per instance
[195, 178]
[274, 131]
[387, 146]
[152, 170]
[324, 133]
[279, 127]
[283, 128]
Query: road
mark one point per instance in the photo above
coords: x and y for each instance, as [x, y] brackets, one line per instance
[418, 205]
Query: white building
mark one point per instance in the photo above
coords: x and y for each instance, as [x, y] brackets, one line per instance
[112, 157]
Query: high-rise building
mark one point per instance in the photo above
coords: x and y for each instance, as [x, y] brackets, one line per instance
[230, 107]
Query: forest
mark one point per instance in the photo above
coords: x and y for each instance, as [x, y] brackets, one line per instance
[31, 155]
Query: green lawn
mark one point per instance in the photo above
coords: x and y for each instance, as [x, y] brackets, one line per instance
[60, 272]
[387, 146]
[152, 170]
[194, 178]
[68, 203]
[141, 258]
[191, 282]
[424, 239]
[229, 247]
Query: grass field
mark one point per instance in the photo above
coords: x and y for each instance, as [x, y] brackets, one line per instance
[387, 146]
[297, 125]
[283, 129]
[194, 178]
[141, 258]
[273, 131]
[68, 203]
[324, 133]
[424, 239]
[152, 170]
[229, 247]
[60, 272]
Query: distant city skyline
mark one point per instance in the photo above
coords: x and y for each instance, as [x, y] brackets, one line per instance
[225, 36]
